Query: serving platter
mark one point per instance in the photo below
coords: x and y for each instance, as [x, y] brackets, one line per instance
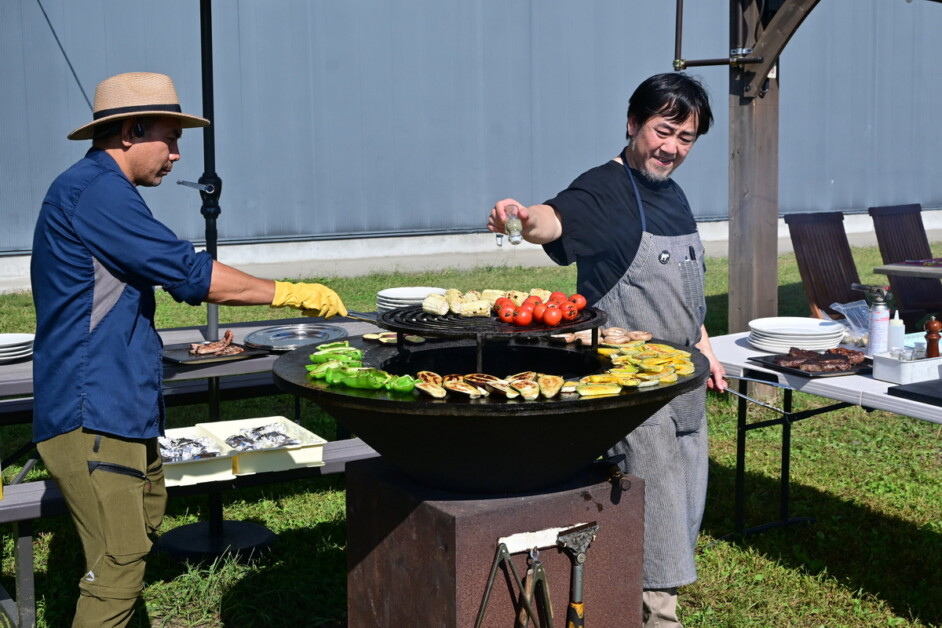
[291, 337]
[768, 361]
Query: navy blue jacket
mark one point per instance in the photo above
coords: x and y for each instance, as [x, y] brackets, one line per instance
[97, 254]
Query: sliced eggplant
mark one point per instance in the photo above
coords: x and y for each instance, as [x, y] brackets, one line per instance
[462, 387]
[500, 387]
[525, 375]
[430, 377]
[550, 385]
[430, 389]
[480, 379]
[528, 389]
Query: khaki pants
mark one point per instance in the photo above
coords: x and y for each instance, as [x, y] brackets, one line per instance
[114, 488]
[659, 608]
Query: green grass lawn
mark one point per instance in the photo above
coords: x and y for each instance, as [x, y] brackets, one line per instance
[873, 481]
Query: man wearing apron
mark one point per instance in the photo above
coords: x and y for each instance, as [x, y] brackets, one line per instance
[629, 228]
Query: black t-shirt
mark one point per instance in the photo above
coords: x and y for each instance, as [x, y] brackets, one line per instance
[602, 223]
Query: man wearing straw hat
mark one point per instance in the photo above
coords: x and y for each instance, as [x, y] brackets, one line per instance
[97, 254]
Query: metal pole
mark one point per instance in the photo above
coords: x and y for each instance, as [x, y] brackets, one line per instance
[212, 184]
[210, 208]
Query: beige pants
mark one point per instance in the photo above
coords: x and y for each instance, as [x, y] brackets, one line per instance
[114, 489]
[659, 608]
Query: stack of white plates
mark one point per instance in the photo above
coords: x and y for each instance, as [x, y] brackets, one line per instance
[779, 334]
[392, 298]
[15, 347]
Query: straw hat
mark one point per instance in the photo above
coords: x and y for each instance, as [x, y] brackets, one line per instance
[135, 94]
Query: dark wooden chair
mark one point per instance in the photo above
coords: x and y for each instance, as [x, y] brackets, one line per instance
[825, 262]
[902, 236]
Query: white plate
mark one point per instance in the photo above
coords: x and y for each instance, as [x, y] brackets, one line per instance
[416, 292]
[774, 347]
[8, 341]
[400, 302]
[12, 358]
[839, 333]
[15, 353]
[794, 326]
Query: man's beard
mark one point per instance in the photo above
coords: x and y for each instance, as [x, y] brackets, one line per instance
[653, 176]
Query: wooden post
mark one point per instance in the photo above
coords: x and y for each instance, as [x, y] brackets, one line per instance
[753, 183]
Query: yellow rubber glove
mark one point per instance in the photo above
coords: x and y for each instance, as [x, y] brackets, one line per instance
[312, 299]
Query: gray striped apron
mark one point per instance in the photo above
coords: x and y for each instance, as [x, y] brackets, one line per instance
[662, 292]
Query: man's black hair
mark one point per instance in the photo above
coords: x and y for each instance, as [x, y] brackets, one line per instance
[674, 95]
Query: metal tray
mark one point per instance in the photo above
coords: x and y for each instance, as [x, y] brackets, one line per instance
[864, 368]
[291, 337]
[180, 354]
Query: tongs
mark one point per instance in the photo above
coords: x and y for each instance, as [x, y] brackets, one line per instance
[757, 381]
[366, 317]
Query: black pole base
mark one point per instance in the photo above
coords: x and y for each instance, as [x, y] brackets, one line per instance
[194, 543]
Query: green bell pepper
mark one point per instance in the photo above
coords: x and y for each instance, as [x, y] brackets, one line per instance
[400, 384]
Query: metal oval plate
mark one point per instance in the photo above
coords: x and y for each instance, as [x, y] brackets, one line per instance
[290, 337]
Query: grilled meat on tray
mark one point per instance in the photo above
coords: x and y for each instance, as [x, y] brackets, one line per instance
[831, 361]
[219, 347]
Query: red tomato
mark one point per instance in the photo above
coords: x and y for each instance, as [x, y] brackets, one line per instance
[535, 300]
[526, 306]
[559, 297]
[503, 301]
[569, 311]
[523, 317]
[578, 300]
[538, 311]
[552, 316]
[506, 314]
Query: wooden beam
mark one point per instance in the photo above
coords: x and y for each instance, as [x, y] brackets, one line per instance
[753, 183]
[773, 40]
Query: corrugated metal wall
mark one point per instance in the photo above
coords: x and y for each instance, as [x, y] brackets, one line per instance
[363, 117]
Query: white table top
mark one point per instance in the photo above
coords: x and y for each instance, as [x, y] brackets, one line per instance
[733, 351]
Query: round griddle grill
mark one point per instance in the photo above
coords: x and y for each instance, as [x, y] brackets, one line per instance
[486, 445]
[415, 321]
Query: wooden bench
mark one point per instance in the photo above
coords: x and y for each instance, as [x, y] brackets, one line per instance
[24, 503]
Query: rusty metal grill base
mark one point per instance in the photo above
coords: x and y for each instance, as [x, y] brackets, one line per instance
[446, 544]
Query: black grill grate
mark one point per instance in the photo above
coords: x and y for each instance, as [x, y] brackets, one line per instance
[413, 320]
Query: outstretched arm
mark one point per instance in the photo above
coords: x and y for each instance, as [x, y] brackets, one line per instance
[541, 223]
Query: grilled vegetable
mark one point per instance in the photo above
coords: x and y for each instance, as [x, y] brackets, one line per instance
[480, 379]
[492, 295]
[455, 300]
[549, 385]
[500, 387]
[528, 389]
[471, 295]
[479, 307]
[517, 296]
[528, 375]
[430, 377]
[435, 304]
[460, 386]
[400, 384]
[597, 390]
[540, 292]
[430, 389]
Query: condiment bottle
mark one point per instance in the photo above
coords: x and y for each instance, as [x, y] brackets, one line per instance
[932, 337]
[879, 323]
[896, 333]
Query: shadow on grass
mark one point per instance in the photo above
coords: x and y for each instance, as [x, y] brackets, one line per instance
[864, 550]
[303, 582]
